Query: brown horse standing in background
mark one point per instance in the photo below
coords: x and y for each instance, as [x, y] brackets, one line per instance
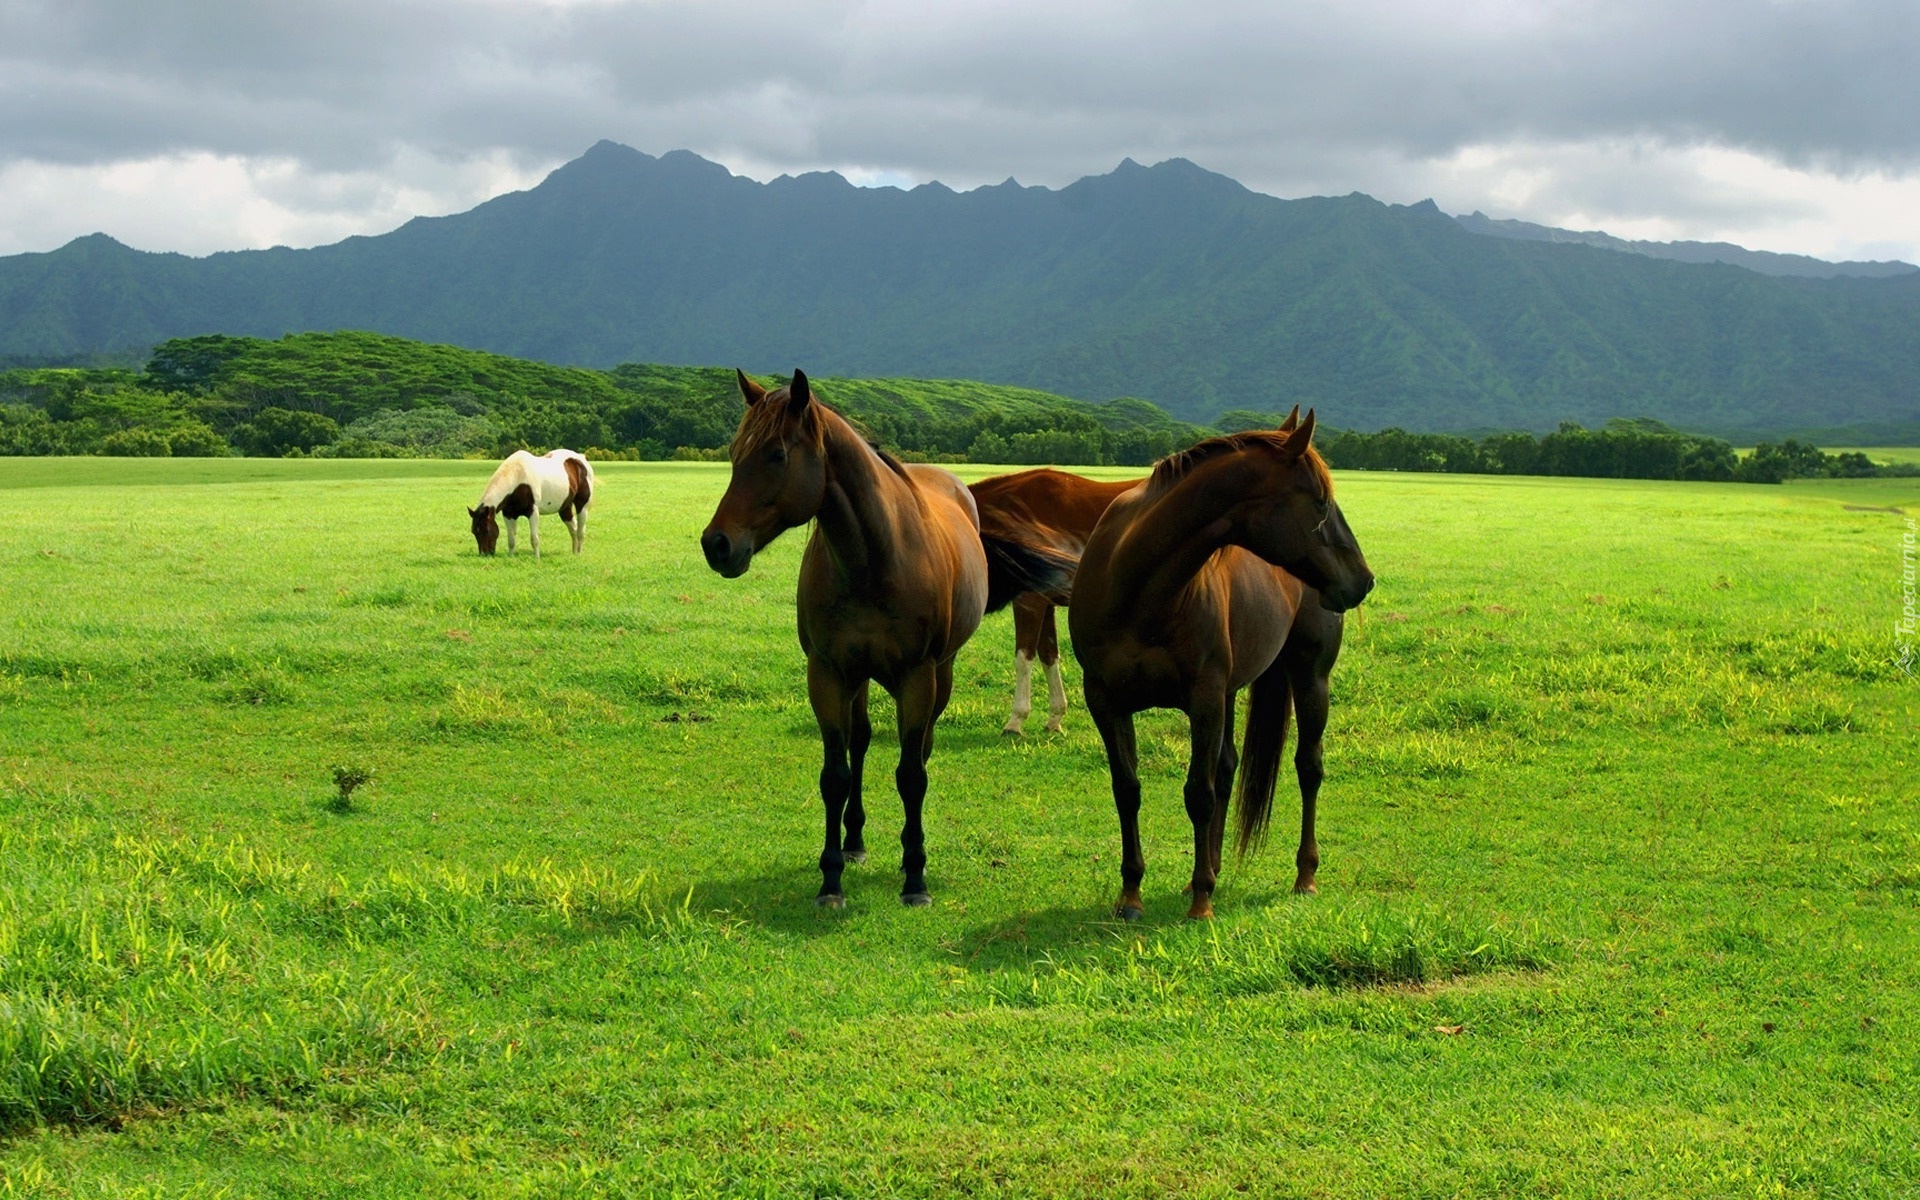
[894, 580]
[1228, 567]
[1059, 510]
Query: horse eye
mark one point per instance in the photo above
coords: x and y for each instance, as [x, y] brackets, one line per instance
[776, 454]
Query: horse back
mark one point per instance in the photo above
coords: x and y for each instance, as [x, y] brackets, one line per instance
[1052, 506]
[932, 481]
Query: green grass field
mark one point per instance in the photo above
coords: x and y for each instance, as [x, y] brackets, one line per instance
[1620, 892]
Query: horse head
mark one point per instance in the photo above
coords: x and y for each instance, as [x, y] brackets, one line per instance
[779, 474]
[1293, 522]
[486, 529]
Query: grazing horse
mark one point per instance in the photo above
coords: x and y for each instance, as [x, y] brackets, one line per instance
[1229, 566]
[526, 486]
[1059, 509]
[894, 579]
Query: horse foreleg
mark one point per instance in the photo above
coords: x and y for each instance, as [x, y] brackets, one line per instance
[918, 700]
[511, 523]
[855, 845]
[1116, 730]
[832, 709]
[1056, 687]
[1206, 718]
[533, 531]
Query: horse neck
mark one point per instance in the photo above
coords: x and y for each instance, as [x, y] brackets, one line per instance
[506, 477]
[868, 513]
[1179, 530]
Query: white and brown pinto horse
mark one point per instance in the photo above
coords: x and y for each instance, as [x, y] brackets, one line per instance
[527, 486]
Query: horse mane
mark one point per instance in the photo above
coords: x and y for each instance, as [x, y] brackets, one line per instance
[1177, 466]
[765, 422]
[507, 476]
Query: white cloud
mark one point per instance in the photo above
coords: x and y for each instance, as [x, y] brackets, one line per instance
[202, 203]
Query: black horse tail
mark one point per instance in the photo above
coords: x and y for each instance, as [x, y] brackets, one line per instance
[1269, 705]
[1016, 567]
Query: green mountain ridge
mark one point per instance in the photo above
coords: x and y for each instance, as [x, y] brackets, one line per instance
[1169, 283]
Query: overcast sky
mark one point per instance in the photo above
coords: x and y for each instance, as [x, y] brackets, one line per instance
[203, 125]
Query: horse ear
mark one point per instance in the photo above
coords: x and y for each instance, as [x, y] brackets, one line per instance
[473, 512]
[1301, 437]
[799, 392]
[750, 391]
[1293, 419]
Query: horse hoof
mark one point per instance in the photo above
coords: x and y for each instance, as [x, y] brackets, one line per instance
[1053, 727]
[1010, 730]
[915, 899]
[855, 856]
[1127, 912]
[1306, 887]
[830, 900]
[1200, 912]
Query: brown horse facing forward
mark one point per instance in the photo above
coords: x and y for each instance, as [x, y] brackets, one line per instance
[894, 579]
[1230, 565]
[1059, 510]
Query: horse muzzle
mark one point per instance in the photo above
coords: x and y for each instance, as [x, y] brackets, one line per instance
[728, 556]
[1346, 594]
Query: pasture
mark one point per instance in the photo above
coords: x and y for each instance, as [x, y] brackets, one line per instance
[1620, 891]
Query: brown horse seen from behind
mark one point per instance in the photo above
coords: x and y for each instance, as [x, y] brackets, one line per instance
[894, 579]
[1228, 567]
[1058, 509]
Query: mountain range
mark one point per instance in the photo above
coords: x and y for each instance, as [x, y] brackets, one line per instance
[1168, 283]
[1764, 261]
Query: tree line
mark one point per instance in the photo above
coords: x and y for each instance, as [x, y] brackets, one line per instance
[1638, 448]
[362, 395]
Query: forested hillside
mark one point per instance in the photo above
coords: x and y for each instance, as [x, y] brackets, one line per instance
[370, 395]
[1168, 283]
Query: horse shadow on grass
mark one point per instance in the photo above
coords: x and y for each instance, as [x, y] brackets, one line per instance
[781, 901]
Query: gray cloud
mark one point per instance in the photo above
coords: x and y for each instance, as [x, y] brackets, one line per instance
[1298, 98]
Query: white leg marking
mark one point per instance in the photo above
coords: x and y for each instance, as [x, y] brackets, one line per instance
[1056, 697]
[579, 528]
[511, 522]
[533, 531]
[1022, 692]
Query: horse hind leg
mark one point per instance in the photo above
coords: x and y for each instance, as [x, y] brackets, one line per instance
[579, 528]
[1027, 633]
[832, 706]
[1056, 687]
[1207, 722]
[1223, 787]
[1308, 670]
[923, 693]
[854, 848]
[1116, 731]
